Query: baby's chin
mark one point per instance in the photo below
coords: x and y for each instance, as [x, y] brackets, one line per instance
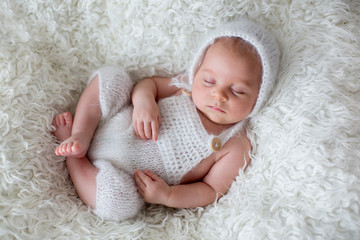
[221, 124]
[222, 120]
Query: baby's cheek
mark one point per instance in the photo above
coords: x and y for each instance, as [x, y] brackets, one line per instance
[196, 97]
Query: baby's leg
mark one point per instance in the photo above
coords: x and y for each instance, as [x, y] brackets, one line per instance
[87, 116]
[109, 191]
[116, 193]
[82, 172]
[83, 175]
[107, 92]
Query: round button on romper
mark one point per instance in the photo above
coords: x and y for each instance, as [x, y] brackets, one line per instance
[215, 144]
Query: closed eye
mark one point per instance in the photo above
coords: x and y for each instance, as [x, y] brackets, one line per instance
[238, 92]
[209, 82]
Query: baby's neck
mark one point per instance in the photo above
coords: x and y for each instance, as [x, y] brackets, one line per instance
[212, 127]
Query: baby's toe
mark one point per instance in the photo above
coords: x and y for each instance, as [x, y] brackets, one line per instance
[67, 118]
[68, 148]
[58, 151]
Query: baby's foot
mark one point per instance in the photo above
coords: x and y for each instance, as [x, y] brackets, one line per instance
[63, 124]
[74, 146]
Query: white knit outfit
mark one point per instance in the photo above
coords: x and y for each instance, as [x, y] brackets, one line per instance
[182, 143]
[117, 152]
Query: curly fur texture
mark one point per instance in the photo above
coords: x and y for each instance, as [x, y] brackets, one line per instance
[304, 179]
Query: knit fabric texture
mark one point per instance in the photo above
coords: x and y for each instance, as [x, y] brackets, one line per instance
[183, 141]
[117, 152]
[116, 197]
[118, 83]
[256, 35]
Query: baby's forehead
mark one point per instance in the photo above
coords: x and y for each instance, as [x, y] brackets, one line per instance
[240, 69]
[237, 46]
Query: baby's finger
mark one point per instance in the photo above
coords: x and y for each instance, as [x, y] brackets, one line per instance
[152, 175]
[138, 180]
[135, 128]
[155, 130]
[140, 188]
[147, 180]
[140, 128]
[159, 120]
[147, 130]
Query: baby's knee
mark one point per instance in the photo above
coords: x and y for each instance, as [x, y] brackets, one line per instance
[116, 197]
[115, 87]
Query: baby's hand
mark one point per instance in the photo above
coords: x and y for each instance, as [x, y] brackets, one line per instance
[146, 120]
[151, 187]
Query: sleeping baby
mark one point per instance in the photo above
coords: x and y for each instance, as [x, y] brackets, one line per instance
[178, 141]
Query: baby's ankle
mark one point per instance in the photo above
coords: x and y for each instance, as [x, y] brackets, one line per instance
[82, 134]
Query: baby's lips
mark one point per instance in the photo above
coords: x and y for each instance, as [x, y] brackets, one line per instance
[217, 109]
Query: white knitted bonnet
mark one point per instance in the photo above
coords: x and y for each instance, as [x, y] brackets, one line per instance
[257, 36]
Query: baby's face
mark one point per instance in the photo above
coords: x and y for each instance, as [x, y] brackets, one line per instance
[226, 86]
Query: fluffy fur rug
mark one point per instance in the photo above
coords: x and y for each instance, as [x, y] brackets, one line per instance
[304, 180]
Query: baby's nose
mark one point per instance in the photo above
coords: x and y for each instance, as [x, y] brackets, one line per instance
[220, 95]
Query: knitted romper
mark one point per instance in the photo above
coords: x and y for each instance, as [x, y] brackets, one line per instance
[183, 142]
[117, 152]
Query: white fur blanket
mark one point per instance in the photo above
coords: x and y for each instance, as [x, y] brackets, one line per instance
[304, 179]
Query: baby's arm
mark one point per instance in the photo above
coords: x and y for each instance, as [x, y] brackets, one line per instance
[213, 186]
[146, 114]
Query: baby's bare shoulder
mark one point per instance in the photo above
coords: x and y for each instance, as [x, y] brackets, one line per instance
[236, 152]
[231, 158]
[237, 144]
